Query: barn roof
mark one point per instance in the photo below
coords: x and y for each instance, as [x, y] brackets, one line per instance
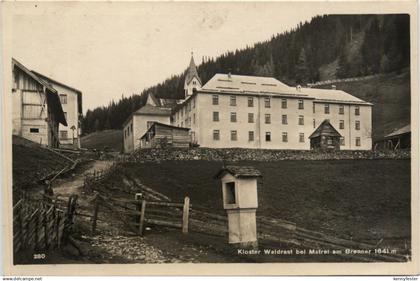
[269, 86]
[53, 100]
[153, 110]
[52, 82]
[163, 125]
[325, 129]
[239, 172]
[404, 130]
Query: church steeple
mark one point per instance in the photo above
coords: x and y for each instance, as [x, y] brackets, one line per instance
[192, 79]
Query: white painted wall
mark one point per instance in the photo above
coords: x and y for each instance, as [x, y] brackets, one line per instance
[72, 116]
[139, 122]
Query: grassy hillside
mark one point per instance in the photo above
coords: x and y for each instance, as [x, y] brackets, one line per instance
[390, 94]
[348, 198]
[107, 139]
[31, 162]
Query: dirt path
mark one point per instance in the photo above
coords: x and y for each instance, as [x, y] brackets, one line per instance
[71, 185]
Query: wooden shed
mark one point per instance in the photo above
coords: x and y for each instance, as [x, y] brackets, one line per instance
[398, 139]
[325, 137]
[162, 135]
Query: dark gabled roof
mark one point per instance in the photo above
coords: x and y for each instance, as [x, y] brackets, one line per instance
[192, 72]
[53, 100]
[401, 131]
[239, 172]
[325, 129]
[153, 110]
[52, 81]
[163, 125]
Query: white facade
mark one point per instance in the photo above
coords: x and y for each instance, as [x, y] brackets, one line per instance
[260, 112]
[136, 126]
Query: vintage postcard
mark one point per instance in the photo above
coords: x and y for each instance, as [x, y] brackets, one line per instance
[210, 138]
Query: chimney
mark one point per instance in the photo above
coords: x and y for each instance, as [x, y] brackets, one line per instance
[298, 88]
[229, 75]
[333, 87]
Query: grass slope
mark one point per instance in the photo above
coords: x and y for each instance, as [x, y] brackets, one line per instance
[390, 95]
[359, 199]
[111, 139]
[31, 163]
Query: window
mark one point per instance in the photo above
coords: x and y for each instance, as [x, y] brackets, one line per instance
[313, 107]
[267, 136]
[357, 125]
[357, 141]
[284, 119]
[327, 109]
[250, 102]
[215, 116]
[215, 99]
[193, 103]
[342, 142]
[357, 110]
[63, 99]
[251, 136]
[63, 135]
[283, 103]
[250, 117]
[216, 135]
[232, 100]
[131, 127]
[233, 117]
[284, 137]
[34, 130]
[314, 123]
[267, 119]
[194, 82]
[341, 110]
[194, 118]
[267, 102]
[230, 194]
[233, 135]
[182, 124]
[149, 124]
[301, 120]
[125, 133]
[341, 124]
[300, 104]
[301, 137]
[329, 141]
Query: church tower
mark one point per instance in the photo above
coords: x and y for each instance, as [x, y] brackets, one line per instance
[192, 80]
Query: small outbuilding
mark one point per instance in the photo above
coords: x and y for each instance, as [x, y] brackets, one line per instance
[161, 135]
[398, 139]
[325, 137]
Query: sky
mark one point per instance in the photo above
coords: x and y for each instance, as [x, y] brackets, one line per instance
[107, 50]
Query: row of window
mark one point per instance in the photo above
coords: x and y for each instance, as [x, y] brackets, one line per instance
[267, 119]
[267, 104]
[340, 109]
[185, 109]
[127, 131]
[251, 137]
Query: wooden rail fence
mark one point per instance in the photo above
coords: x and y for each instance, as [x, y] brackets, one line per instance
[41, 225]
[139, 213]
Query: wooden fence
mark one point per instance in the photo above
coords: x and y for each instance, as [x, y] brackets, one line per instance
[97, 176]
[41, 225]
[138, 213]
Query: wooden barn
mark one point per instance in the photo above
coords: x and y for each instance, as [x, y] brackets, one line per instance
[398, 139]
[37, 110]
[325, 137]
[161, 135]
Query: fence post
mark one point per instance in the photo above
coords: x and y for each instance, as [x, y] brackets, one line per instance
[185, 215]
[95, 213]
[142, 214]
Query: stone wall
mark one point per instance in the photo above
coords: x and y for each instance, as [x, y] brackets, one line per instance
[241, 154]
